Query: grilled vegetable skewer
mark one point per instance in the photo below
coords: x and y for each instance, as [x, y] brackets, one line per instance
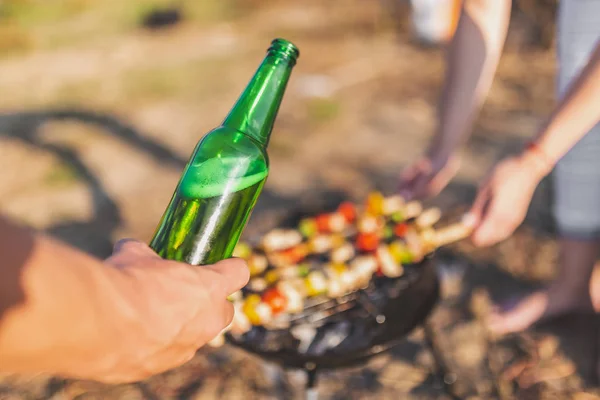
[332, 256]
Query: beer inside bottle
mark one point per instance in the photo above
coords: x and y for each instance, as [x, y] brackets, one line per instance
[227, 171]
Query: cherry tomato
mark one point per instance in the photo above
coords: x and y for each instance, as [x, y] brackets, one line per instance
[400, 229]
[275, 299]
[367, 241]
[322, 222]
[348, 210]
[294, 254]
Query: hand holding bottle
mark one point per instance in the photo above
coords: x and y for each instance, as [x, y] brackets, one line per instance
[65, 313]
[171, 309]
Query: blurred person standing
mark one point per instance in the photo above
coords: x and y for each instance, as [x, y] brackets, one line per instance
[567, 144]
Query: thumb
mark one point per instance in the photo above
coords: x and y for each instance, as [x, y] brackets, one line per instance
[133, 246]
[234, 271]
[477, 215]
[487, 231]
[490, 227]
[472, 218]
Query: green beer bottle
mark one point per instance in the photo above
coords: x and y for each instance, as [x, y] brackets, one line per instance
[227, 170]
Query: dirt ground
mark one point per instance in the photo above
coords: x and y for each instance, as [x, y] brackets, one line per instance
[96, 127]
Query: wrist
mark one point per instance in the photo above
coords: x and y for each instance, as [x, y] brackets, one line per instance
[537, 159]
[439, 151]
[63, 317]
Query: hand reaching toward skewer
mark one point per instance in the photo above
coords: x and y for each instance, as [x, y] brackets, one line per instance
[503, 199]
[428, 176]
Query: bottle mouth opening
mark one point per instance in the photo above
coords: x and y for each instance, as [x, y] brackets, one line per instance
[284, 48]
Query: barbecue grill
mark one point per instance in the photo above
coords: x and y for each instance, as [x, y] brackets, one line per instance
[347, 331]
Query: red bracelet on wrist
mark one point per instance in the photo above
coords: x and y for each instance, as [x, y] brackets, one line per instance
[533, 147]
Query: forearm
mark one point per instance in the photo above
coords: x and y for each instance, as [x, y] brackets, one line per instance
[472, 60]
[49, 302]
[577, 112]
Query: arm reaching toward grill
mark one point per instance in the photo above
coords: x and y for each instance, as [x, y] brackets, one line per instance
[504, 197]
[65, 313]
[471, 63]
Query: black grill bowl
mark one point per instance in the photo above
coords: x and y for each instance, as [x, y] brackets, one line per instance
[381, 316]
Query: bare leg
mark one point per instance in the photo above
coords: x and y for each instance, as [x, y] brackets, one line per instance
[595, 287]
[569, 292]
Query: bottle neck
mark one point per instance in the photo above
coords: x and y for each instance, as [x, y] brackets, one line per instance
[256, 109]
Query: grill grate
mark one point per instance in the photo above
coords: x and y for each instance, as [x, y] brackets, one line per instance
[345, 331]
[348, 330]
